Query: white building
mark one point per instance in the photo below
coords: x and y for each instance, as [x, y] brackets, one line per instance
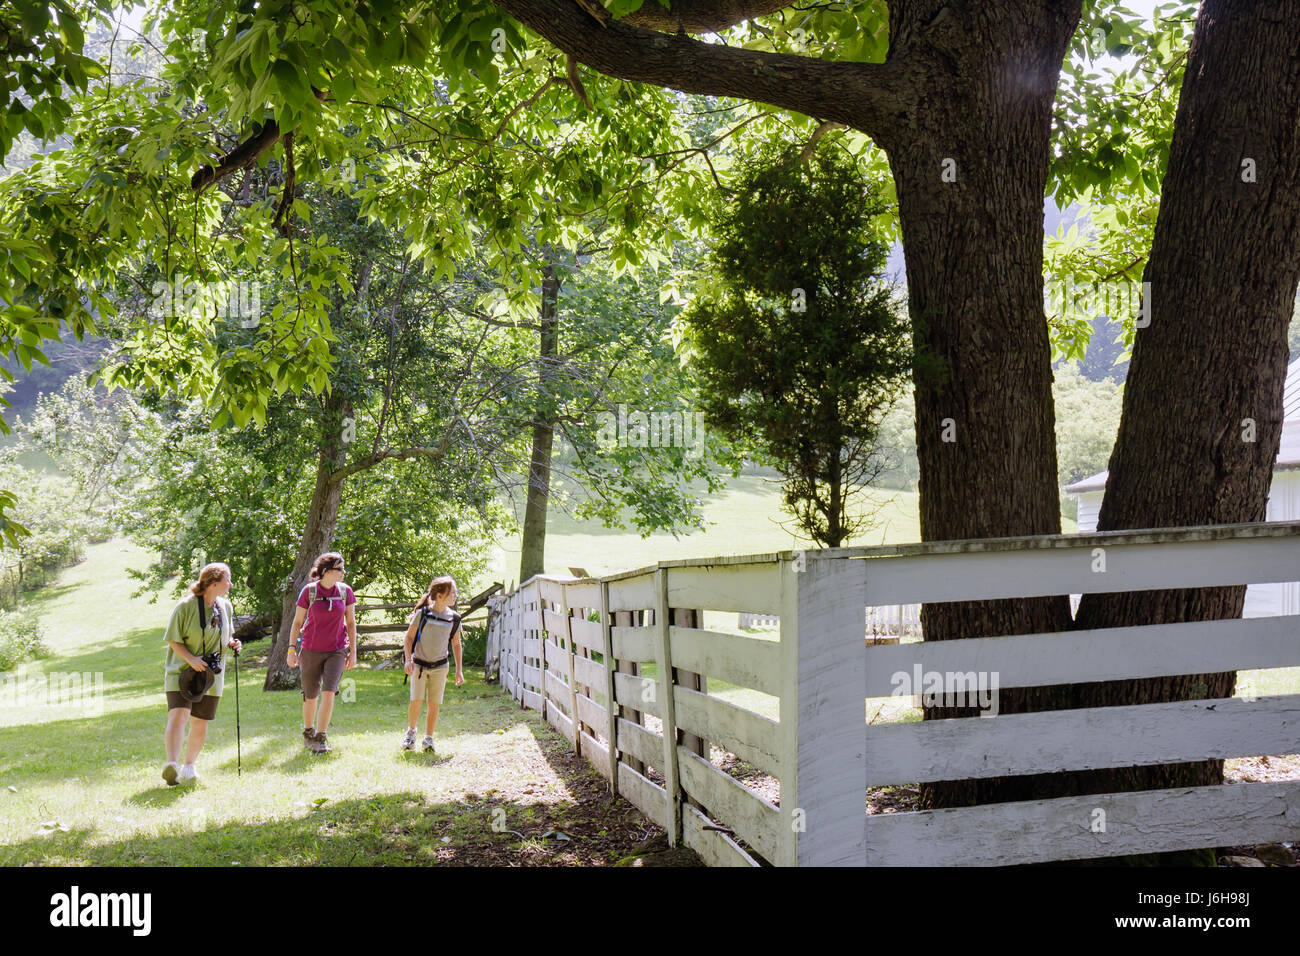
[1262, 600]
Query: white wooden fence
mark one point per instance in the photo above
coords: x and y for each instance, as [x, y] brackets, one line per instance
[896, 620]
[826, 756]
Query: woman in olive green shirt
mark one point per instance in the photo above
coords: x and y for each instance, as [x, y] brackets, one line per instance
[201, 624]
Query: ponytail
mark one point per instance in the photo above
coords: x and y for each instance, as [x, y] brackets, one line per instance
[439, 585]
[329, 561]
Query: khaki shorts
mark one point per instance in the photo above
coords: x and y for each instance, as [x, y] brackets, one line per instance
[429, 684]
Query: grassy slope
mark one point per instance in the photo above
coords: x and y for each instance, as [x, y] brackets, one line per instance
[98, 775]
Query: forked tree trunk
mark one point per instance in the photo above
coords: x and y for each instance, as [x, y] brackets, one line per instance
[1202, 405]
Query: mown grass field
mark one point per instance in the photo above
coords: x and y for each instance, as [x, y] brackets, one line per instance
[746, 518]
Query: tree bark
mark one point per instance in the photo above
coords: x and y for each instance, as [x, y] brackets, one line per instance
[1202, 416]
[971, 172]
[318, 532]
[533, 548]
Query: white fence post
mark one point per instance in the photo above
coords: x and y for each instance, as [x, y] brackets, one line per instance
[666, 709]
[829, 711]
[573, 678]
[607, 650]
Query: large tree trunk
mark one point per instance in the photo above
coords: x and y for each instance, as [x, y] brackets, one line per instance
[1202, 414]
[1202, 405]
[533, 549]
[318, 532]
[971, 173]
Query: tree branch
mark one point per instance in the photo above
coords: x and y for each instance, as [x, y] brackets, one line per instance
[244, 155]
[364, 464]
[871, 97]
[701, 16]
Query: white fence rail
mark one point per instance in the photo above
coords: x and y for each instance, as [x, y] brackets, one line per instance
[620, 665]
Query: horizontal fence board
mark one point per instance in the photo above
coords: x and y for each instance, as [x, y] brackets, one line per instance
[530, 675]
[752, 738]
[529, 698]
[747, 661]
[649, 798]
[743, 587]
[752, 818]
[714, 848]
[587, 634]
[635, 741]
[530, 647]
[559, 721]
[1038, 572]
[1138, 735]
[555, 623]
[632, 594]
[634, 643]
[552, 591]
[557, 660]
[1076, 657]
[596, 753]
[557, 692]
[638, 693]
[1061, 829]
[591, 713]
[588, 672]
[585, 595]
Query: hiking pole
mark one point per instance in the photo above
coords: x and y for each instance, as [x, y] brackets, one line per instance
[239, 747]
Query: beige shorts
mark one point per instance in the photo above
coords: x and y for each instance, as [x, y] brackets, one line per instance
[429, 684]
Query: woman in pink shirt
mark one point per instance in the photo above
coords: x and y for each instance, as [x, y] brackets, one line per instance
[329, 644]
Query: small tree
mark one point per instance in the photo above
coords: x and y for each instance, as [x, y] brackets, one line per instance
[800, 345]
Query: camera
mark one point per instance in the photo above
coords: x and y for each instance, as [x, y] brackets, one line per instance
[213, 661]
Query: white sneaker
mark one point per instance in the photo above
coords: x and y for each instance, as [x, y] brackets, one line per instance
[188, 774]
[169, 771]
[408, 741]
[427, 745]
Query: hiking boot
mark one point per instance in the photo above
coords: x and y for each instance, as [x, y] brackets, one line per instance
[309, 735]
[169, 772]
[188, 774]
[427, 745]
[408, 741]
[319, 744]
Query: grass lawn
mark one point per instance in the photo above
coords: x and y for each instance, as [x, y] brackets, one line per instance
[746, 518]
[80, 784]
